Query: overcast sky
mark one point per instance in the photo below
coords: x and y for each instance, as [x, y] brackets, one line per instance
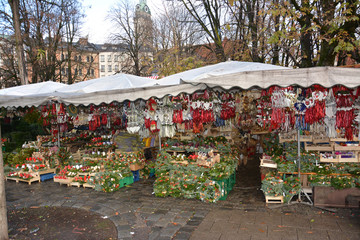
[95, 25]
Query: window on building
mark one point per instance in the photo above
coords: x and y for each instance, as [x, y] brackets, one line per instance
[109, 58]
[75, 58]
[62, 57]
[102, 58]
[92, 72]
[62, 71]
[92, 59]
[76, 72]
[67, 71]
[116, 58]
[79, 58]
[102, 68]
[80, 72]
[116, 68]
[88, 59]
[66, 56]
[109, 68]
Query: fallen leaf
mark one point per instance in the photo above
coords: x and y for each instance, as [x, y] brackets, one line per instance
[281, 226]
[287, 213]
[310, 232]
[261, 230]
[174, 223]
[116, 213]
[34, 207]
[312, 220]
[22, 229]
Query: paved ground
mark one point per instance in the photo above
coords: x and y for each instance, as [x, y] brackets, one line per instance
[138, 214]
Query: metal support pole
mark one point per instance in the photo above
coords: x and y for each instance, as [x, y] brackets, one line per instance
[299, 164]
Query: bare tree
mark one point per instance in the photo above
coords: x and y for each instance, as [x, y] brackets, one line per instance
[175, 33]
[208, 14]
[15, 9]
[134, 31]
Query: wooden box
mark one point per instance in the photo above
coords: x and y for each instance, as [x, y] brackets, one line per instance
[267, 163]
[136, 166]
[273, 199]
[321, 148]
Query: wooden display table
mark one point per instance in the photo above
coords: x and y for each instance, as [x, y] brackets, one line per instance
[35, 178]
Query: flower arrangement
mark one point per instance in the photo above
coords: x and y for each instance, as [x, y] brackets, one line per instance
[13, 174]
[39, 167]
[33, 160]
[81, 179]
[25, 176]
[63, 156]
[210, 191]
[189, 180]
[272, 185]
[108, 181]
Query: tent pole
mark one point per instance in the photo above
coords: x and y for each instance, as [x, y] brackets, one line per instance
[3, 211]
[299, 157]
[298, 151]
[57, 123]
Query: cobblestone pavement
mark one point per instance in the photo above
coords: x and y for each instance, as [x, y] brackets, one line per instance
[138, 214]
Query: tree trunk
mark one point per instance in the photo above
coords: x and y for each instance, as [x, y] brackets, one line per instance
[3, 212]
[327, 53]
[275, 58]
[14, 4]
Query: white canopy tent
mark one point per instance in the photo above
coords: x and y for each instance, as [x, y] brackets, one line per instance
[216, 70]
[115, 82]
[303, 77]
[28, 95]
[102, 91]
[130, 94]
[122, 87]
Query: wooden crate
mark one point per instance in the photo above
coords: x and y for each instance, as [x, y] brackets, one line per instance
[321, 148]
[135, 167]
[267, 163]
[34, 179]
[75, 184]
[305, 138]
[66, 181]
[86, 185]
[273, 199]
[286, 139]
[354, 159]
[329, 160]
[320, 139]
[343, 139]
[338, 147]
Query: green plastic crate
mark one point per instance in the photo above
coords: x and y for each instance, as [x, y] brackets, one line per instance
[224, 188]
[128, 180]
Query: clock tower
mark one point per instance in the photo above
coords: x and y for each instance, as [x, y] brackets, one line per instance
[144, 24]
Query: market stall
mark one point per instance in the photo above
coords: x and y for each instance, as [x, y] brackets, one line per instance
[193, 123]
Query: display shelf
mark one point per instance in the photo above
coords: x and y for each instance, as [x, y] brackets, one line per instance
[321, 148]
[355, 139]
[65, 181]
[338, 147]
[328, 160]
[87, 185]
[288, 139]
[75, 184]
[343, 159]
[29, 181]
[305, 138]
